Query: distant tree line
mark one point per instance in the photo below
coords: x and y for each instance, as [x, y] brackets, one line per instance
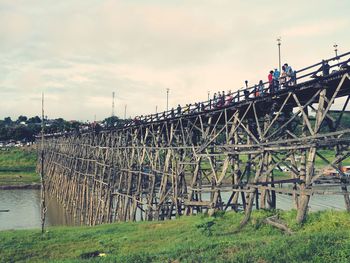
[24, 129]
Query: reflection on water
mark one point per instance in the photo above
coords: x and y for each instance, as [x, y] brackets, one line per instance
[317, 202]
[24, 206]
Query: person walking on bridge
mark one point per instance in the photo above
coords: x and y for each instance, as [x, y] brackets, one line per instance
[187, 109]
[276, 76]
[222, 99]
[229, 98]
[215, 98]
[270, 79]
[261, 88]
[289, 74]
[178, 110]
[325, 68]
[283, 77]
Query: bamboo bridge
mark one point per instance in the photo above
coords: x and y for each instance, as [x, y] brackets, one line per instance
[239, 155]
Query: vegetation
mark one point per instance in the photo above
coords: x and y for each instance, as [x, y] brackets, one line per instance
[17, 166]
[24, 129]
[325, 237]
[113, 121]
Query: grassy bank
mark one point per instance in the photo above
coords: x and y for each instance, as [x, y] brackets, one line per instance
[325, 237]
[17, 166]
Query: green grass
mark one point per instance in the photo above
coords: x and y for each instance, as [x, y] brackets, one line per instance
[325, 237]
[330, 156]
[17, 166]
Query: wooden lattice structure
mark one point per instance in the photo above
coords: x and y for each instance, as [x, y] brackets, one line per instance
[206, 160]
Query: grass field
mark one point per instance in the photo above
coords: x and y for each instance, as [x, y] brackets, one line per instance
[325, 237]
[17, 166]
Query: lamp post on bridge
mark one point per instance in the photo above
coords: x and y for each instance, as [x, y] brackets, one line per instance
[279, 52]
[208, 95]
[336, 49]
[167, 99]
[336, 52]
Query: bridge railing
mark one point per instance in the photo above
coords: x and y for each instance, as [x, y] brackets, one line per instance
[336, 64]
[253, 91]
[310, 71]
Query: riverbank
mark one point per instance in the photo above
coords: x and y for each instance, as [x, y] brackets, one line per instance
[17, 168]
[325, 237]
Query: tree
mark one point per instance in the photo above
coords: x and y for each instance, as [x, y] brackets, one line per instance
[111, 121]
[74, 125]
[35, 119]
[21, 118]
[8, 121]
[19, 133]
[3, 132]
[35, 129]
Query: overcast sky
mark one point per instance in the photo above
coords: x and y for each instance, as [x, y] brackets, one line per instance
[79, 51]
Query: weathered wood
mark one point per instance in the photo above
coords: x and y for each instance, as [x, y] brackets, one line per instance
[183, 164]
[273, 220]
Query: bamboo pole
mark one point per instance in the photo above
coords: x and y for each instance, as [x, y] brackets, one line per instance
[42, 178]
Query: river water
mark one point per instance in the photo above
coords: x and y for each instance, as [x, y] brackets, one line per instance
[24, 206]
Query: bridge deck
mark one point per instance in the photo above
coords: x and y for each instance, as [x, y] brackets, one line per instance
[264, 102]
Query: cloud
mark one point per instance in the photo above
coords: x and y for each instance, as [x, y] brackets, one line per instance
[79, 52]
[317, 28]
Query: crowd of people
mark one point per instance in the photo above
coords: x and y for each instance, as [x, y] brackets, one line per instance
[276, 81]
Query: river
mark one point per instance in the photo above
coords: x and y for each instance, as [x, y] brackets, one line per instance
[24, 206]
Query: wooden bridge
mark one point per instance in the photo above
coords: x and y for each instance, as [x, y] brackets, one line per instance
[239, 155]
